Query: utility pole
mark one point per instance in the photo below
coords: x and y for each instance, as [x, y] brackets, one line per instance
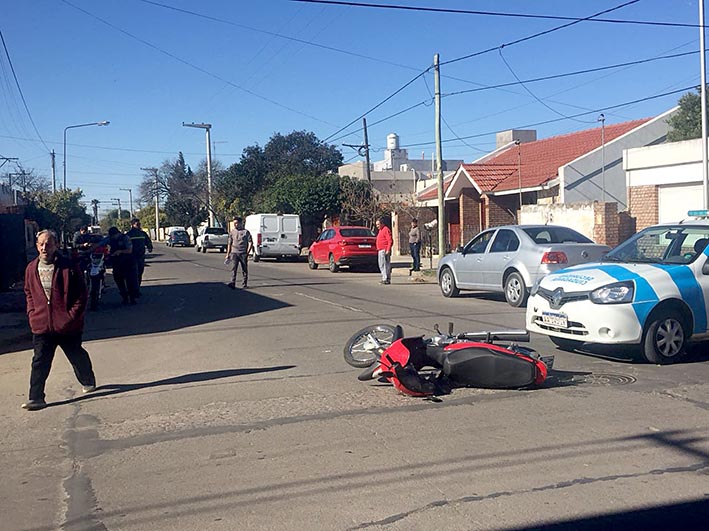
[207, 128]
[366, 151]
[703, 94]
[54, 172]
[94, 206]
[119, 207]
[130, 198]
[439, 160]
[154, 171]
[363, 151]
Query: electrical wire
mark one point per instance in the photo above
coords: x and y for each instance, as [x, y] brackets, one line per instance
[19, 89]
[608, 108]
[495, 13]
[193, 66]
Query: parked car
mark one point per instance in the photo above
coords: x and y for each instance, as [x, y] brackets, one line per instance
[274, 235]
[178, 237]
[652, 291]
[344, 246]
[511, 258]
[211, 238]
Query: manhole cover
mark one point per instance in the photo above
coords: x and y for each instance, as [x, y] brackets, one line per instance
[607, 379]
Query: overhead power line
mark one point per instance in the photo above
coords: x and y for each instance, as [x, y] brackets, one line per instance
[594, 111]
[19, 89]
[496, 13]
[523, 39]
[193, 66]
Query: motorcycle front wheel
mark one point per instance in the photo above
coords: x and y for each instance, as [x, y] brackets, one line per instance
[364, 347]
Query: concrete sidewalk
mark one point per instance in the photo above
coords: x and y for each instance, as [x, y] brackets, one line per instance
[401, 267]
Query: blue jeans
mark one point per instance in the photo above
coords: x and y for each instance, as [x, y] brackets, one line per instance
[416, 255]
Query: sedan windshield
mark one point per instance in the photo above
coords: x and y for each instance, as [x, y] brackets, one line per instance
[677, 244]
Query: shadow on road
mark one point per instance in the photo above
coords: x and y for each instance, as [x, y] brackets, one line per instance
[113, 389]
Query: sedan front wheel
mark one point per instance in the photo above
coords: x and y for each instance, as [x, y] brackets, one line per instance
[447, 283]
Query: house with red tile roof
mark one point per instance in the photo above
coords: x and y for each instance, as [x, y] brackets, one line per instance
[583, 166]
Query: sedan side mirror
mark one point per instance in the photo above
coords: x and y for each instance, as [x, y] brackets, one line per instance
[460, 249]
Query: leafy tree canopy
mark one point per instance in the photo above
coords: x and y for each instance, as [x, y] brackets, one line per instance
[686, 124]
[61, 211]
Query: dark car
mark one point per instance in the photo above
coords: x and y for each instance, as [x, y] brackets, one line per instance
[178, 237]
[349, 246]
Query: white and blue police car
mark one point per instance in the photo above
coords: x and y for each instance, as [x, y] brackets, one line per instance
[652, 291]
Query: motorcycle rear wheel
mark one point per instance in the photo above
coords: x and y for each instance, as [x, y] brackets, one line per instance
[364, 347]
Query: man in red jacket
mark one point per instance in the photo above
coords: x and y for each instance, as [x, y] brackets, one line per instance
[56, 304]
[384, 245]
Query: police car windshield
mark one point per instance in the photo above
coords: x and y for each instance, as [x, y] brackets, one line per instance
[667, 244]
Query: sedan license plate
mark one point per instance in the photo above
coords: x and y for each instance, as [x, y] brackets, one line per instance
[364, 246]
[555, 319]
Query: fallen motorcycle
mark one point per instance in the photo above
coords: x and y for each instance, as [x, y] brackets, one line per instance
[472, 359]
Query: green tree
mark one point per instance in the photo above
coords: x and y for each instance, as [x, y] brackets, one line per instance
[186, 193]
[60, 211]
[686, 124]
[112, 219]
[146, 215]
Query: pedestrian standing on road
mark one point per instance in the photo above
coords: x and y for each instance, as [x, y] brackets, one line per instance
[238, 249]
[56, 304]
[139, 240]
[415, 245]
[125, 269]
[384, 245]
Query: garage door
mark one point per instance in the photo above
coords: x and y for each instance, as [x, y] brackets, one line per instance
[675, 201]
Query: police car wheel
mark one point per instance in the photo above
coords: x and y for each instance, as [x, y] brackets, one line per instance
[665, 338]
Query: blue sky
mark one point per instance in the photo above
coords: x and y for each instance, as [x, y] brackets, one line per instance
[252, 69]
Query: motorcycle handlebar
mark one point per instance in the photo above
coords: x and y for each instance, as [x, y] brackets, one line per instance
[500, 335]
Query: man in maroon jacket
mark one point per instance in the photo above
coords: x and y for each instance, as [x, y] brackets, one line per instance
[56, 303]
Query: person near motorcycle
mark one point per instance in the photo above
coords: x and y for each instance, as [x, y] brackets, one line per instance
[384, 245]
[125, 269]
[140, 241]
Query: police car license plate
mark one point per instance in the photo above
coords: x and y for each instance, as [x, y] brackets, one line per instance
[555, 319]
[364, 246]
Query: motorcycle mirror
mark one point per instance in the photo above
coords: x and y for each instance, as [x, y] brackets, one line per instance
[450, 329]
[436, 329]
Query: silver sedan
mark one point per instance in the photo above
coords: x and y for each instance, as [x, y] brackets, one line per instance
[511, 258]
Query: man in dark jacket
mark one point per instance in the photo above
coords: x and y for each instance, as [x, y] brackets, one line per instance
[140, 240]
[56, 304]
[125, 269]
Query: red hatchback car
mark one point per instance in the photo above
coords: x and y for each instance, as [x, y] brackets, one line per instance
[338, 246]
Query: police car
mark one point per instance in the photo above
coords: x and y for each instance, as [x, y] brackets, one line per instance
[652, 291]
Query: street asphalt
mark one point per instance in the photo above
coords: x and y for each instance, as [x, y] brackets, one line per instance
[234, 409]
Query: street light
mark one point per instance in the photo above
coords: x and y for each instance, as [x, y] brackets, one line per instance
[105, 122]
[602, 119]
[207, 128]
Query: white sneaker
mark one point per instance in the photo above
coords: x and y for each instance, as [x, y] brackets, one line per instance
[88, 389]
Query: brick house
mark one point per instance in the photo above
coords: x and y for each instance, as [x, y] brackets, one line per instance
[580, 166]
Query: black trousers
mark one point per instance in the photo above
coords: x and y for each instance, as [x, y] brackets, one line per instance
[45, 345]
[243, 260]
[140, 263]
[125, 273]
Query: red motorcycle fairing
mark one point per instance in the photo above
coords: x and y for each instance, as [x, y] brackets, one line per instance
[398, 366]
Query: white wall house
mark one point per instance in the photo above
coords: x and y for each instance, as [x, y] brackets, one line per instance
[665, 181]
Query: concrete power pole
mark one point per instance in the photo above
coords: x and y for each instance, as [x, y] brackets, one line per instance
[120, 213]
[154, 171]
[439, 160]
[54, 172]
[130, 199]
[366, 151]
[94, 206]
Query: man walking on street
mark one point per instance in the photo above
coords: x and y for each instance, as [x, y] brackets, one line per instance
[384, 245]
[415, 245]
[56, 305]
[139, 240]
[125, 270]
[239, 246]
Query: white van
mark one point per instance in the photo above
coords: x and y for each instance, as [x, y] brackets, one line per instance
[274, 235]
